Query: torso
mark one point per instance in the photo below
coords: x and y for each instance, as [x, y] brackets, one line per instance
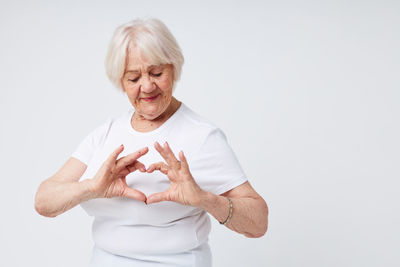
[132, 229]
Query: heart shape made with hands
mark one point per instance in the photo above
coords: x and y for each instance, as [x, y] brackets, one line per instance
[183, 189]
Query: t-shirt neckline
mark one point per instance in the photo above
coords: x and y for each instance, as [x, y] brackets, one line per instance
[157, 130]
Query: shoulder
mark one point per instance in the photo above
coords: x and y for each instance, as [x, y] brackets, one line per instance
[99, 133]
[196, 121]
[117, 120]
[196, 127]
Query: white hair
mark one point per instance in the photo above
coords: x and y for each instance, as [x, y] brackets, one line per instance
[154, 41]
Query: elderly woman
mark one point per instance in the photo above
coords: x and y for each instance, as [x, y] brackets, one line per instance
[150, 176]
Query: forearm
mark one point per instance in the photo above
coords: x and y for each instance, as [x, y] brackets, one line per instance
[249, 217]
[54, 197]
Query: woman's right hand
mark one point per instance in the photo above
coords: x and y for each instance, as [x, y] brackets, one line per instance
[110, 179]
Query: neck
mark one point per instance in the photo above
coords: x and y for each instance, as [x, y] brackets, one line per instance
[141, 124]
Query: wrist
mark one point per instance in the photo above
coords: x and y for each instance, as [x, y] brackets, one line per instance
[219, 207]
[207, 201]
[89, 189]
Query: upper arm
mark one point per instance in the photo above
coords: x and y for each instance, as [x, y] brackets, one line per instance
[215, 166]
[76, 165]
[243, 190]
[71, 171]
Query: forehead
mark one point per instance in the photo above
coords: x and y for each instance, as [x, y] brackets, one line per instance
[136, 60]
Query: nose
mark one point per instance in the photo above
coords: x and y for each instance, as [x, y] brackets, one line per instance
[147, 85]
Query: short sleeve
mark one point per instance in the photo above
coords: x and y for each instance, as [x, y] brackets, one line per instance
[94, 140]
[215, 166]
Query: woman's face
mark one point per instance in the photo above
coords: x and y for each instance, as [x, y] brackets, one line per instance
[149, 87]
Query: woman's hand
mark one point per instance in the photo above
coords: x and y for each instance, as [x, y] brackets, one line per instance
[183, 189]
[110, 180]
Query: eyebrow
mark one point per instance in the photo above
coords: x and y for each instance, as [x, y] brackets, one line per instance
[149, 67]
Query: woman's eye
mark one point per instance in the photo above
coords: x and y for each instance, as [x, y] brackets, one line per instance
[156, 74]
[134, 80]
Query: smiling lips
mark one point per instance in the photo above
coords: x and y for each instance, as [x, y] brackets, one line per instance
[150, 99]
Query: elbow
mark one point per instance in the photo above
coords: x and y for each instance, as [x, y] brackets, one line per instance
[262, 223]
[44, 212]
[262, 232]
[257, 234]
[41, 207]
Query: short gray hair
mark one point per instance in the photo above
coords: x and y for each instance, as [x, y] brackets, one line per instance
[154, 41]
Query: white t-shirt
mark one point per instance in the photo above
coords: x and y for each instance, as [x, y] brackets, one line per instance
[132, 229]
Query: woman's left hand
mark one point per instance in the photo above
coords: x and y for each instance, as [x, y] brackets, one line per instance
[183, 189]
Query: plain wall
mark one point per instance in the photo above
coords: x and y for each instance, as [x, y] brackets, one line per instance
[307, 93]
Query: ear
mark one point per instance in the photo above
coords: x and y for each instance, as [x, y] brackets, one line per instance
[173, 72]
[173, 77]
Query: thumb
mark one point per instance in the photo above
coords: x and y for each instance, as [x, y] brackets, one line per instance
[134, 194]
[157, 197]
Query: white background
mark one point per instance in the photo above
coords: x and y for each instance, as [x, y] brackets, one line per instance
[307, 93]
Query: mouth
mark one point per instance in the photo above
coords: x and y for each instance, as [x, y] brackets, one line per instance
[150, 99]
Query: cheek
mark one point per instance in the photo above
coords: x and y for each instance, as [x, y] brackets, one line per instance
[165, 85]
[132, 91]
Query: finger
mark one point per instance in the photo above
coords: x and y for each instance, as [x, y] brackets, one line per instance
[131, 158]
[114, 155]
[131, 168]
[157, 197]
[171, 155]
[137, 165]
[134, 194]
[167, 154]
[159, 166]
[183, 160]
